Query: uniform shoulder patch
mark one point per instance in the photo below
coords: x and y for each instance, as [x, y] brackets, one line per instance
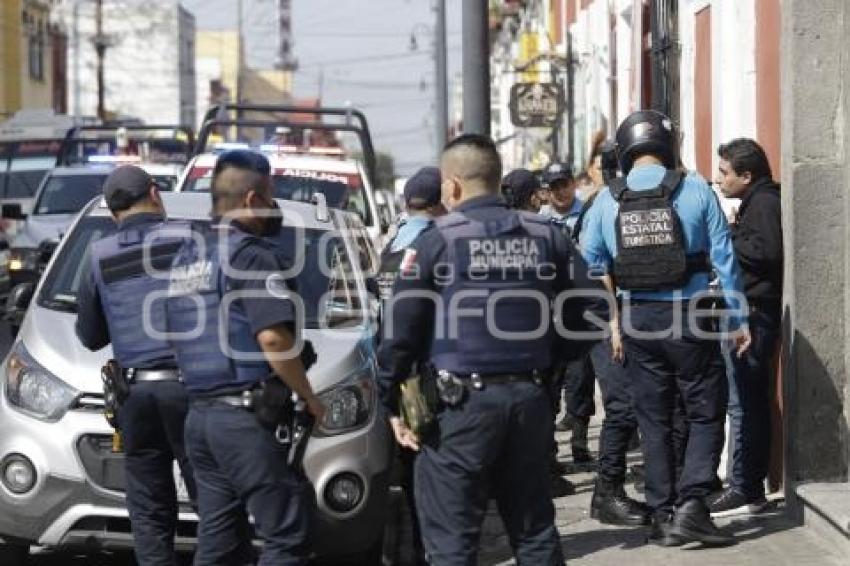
[408, 261]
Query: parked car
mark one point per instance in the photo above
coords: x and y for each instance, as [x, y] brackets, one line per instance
[62, 485]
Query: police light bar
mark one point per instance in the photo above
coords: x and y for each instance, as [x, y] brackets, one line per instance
[227, 146]
[288, 148]
[114, 159]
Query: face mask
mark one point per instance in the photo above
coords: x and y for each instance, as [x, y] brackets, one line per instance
[272, 223]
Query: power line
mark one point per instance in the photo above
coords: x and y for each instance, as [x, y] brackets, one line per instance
[377, 57]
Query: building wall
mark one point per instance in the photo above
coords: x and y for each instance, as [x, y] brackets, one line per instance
[769, 80]
[146, 68]
[24, 39]
[816, 216]
[186, 41]
[218, 53]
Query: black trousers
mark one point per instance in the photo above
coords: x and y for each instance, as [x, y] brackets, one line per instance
[497, 442]
[151, 421]
[660, 369]
[619, 424]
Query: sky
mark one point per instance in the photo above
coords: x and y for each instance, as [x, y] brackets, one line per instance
[357, 52]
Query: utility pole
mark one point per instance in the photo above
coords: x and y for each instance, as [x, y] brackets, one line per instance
[239, 63]
[441, 88]
[476, 67]
[77, 102]
[100, 45]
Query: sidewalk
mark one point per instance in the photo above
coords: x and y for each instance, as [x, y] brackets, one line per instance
[764, 540]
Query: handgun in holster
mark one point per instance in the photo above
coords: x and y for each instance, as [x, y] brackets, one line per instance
[279, 410]
[116, 389]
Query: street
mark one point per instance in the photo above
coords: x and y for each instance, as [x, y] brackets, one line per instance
[767, 540]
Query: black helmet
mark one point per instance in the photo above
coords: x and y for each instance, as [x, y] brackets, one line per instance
[647, 132]
[555, 172]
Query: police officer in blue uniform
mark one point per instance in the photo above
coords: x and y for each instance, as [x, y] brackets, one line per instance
[111, 310]
[659, 232]
[233, 274]
[563, 205]
[494, 423]
[422, 198]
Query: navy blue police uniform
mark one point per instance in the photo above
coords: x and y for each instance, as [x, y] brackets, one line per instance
[151, 420]
[221, 295]
[496, 436]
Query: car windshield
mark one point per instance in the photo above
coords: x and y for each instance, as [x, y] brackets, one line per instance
[342, 191]
[68, 194]
[24, 165]
[328, 284]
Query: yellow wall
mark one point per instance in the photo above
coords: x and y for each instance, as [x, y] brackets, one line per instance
[267, 86]
[17, 89]
[224, 46]
[10, 56]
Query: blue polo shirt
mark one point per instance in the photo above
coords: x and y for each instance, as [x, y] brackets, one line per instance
[703, 223]
[569, 219]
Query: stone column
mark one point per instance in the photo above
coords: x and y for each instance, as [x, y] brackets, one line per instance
[816, 215]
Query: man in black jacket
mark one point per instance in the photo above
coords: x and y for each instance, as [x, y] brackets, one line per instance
[744, 173]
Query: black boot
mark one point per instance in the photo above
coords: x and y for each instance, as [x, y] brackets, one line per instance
[692, 522]
[578, 441]
[561, 487]
[661, 532]
[611, 506]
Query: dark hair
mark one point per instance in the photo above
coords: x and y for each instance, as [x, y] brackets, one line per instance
[121, 200]
[746, 155]
[244, 160]
[488, 167]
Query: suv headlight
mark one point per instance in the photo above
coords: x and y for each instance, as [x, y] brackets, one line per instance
[349, 404]
[33, 390]
[23, 259]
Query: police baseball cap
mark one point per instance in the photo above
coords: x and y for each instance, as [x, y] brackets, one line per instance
[557, 172]
[519, 185]
[125, 186]
[422, 190]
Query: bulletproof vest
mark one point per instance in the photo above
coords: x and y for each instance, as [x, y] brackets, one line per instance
[390, 265]
[388, 270]
[213, 341]
[511, 253]
[651, 247]
[123, 283]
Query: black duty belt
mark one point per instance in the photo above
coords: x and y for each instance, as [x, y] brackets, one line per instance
[138, 375]
[499, 378]
[243, 400]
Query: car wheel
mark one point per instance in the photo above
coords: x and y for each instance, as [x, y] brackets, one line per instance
[14, 554]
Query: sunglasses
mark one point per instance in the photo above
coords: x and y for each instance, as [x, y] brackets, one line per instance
[244, 159]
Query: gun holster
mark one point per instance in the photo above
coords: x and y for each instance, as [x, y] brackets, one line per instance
[272, 403]
[116, 389]
[282, 413]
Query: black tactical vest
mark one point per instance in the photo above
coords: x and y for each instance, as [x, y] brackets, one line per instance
[651, 248]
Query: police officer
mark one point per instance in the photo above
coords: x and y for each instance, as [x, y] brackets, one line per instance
[422, 195]
[576, 378]
[240, 466]
[422, 198]
[111, 310]
[563, 205]
[494, 425]
[659, 232]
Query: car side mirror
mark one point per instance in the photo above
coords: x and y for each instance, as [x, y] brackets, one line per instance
[4, 245]
[12, 211]
[18, 301]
